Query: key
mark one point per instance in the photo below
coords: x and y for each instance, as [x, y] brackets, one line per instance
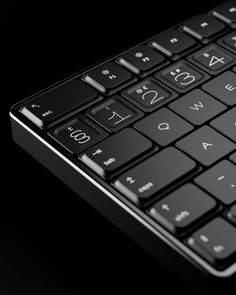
[182, 208]
[114, 113]
[115, 151]
[203, 27]
[163, 126]
[44, 109]
[197, 107]
[154, 174]
[182, 76]
[173, 42]
[223, 87]
[233, 158]
[149, 94]
[141, 59]
[229, 42]
[206, 145]
[107, 77]
[212, 58]
[220, 181]
[226, 12]
[231, 214]
[216, 242]
[226, 124]
[77, 134]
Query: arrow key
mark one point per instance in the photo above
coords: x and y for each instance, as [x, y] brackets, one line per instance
[179, 210]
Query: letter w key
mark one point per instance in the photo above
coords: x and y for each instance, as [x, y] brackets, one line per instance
[197, 107]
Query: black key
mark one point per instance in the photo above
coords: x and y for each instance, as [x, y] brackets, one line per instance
[231, 214]
[141, 59]
[226, 124]
[107, 77]
[77, 134]
[223, 87]
[115, 151]
[163, 126]
[226, 12]
[114, 113]
[173, 42]
[220, 181]
[206, 145]
[48, 107]
[154, 174]
[203, 27]
[197, 107]
[233, 158]
[149, 94]
[216, 242]
[229, 42]
[182, 208]
[213, 59]
[182, 76]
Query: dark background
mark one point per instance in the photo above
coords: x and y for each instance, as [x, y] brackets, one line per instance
[51, 242]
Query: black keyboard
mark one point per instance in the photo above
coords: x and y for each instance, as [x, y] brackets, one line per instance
[148, 137]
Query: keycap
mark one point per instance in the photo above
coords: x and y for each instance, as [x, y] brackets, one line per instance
[223, 87]
[220, 181]
[206, 145]
[216, 242]
[231, 214]
[154, 174]
[173, 42]
[114, 113]
[212, 59]
[233, 158]
[46, 108]
[163, 126]
[229, 42]
[182, 208]
[226, 124]
[203, 27]
[149, 94]
[107, 77]
[182, 76]
[226, 12]
[77, 134]
[197, 107]
[115, 151]
[141, 59]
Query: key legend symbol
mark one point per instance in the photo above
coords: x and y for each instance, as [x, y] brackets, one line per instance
[165, 207]
[35, 106]
[130, 180]
[97, 152]
[138, 54]
[105, 72]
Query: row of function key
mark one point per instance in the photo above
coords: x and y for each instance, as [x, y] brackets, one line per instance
[48, 108]
[182, 76]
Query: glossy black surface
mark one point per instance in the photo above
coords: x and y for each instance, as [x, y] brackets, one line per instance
[46, 245]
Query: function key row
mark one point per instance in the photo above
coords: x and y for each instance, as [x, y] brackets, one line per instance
[46, 109]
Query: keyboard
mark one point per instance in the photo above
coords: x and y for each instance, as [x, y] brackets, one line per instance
[148, 138]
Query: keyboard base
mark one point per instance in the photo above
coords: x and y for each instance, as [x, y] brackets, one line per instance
[115, 210]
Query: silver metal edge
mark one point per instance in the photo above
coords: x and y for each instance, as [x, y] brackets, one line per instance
[161, 232]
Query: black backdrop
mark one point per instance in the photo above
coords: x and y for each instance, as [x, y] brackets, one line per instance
[51, 242]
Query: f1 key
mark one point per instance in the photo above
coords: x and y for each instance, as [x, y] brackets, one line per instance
[115, 151]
